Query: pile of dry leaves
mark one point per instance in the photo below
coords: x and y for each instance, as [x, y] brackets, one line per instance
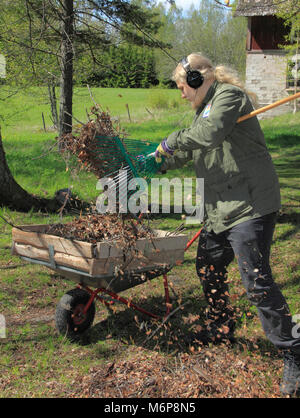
[98, 227]
[93, 143]
[214, 372]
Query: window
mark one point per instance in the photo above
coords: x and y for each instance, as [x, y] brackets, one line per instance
[267, 32]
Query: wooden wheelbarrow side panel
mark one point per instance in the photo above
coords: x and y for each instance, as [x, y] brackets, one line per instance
[153, 260]
[160, 243]
[27, 250]
[36, 236]
[159, 251]
[103, 259]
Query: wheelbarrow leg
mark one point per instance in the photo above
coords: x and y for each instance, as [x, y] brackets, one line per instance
[94, 295]
[116, 297]
[167, 295]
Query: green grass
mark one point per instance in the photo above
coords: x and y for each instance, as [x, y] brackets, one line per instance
[23, 110]
[32, 155]
[34, 360]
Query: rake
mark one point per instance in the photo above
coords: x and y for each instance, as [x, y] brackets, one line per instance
[136, 157]
[132, 155]
[123, 160]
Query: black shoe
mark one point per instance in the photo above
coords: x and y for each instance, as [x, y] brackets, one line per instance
[290, 384]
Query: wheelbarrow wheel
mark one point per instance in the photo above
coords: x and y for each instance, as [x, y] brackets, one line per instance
[70, 318]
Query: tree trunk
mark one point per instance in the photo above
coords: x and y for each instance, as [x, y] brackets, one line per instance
[67, 56]
[53, 102]
[14, 197]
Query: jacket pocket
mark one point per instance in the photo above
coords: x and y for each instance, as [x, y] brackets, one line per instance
[233, 199]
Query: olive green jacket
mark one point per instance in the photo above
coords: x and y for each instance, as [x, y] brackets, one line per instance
[240, 182]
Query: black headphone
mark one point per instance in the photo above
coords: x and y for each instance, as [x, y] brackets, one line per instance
[194, 78]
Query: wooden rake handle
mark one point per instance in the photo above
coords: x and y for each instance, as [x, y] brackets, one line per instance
[270, 106]
[241, 119]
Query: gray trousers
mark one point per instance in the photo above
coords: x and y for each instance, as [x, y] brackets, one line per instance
[250, 243]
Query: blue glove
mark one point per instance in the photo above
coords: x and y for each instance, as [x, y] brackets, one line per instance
[163, 150]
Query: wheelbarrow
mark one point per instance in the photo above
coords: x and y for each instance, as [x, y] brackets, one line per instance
[96, 270]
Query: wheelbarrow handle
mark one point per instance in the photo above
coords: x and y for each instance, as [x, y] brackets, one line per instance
[196, 236]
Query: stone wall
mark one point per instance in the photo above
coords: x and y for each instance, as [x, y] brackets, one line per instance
[266, 77]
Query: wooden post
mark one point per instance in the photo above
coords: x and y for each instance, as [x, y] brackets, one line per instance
[127, 107]
[44, 122]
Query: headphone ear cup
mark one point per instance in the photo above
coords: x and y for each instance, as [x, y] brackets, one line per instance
[194, 79]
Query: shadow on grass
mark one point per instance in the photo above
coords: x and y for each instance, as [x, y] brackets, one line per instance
[289, 218]
[132, 327]
[291, 283]
[281, 141]
[170, 337]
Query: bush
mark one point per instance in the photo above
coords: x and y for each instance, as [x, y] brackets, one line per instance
[160, 100]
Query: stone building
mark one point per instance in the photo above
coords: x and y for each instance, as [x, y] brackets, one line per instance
[267, 63]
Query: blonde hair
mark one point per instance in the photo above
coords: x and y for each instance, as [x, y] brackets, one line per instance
[221, 73]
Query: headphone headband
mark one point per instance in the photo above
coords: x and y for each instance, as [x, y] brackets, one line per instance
[186, 65]
[194, 78]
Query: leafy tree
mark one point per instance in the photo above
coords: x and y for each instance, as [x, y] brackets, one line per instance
[43, 39]
[172, 30]
[45, 36]
[126, 66]
[209, 29]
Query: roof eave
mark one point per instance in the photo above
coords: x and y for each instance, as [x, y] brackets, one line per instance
[255, 8]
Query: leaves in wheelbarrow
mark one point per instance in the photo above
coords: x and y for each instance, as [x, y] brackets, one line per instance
[96, 227]
[122, 232]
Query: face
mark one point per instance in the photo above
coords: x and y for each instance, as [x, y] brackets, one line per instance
[194, 96]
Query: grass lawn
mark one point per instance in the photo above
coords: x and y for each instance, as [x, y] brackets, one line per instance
[126, 354]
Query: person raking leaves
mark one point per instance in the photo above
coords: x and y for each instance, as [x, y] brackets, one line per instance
[241, 202]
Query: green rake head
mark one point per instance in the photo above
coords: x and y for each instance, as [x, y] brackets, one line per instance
[124, 160]
[134, 156]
